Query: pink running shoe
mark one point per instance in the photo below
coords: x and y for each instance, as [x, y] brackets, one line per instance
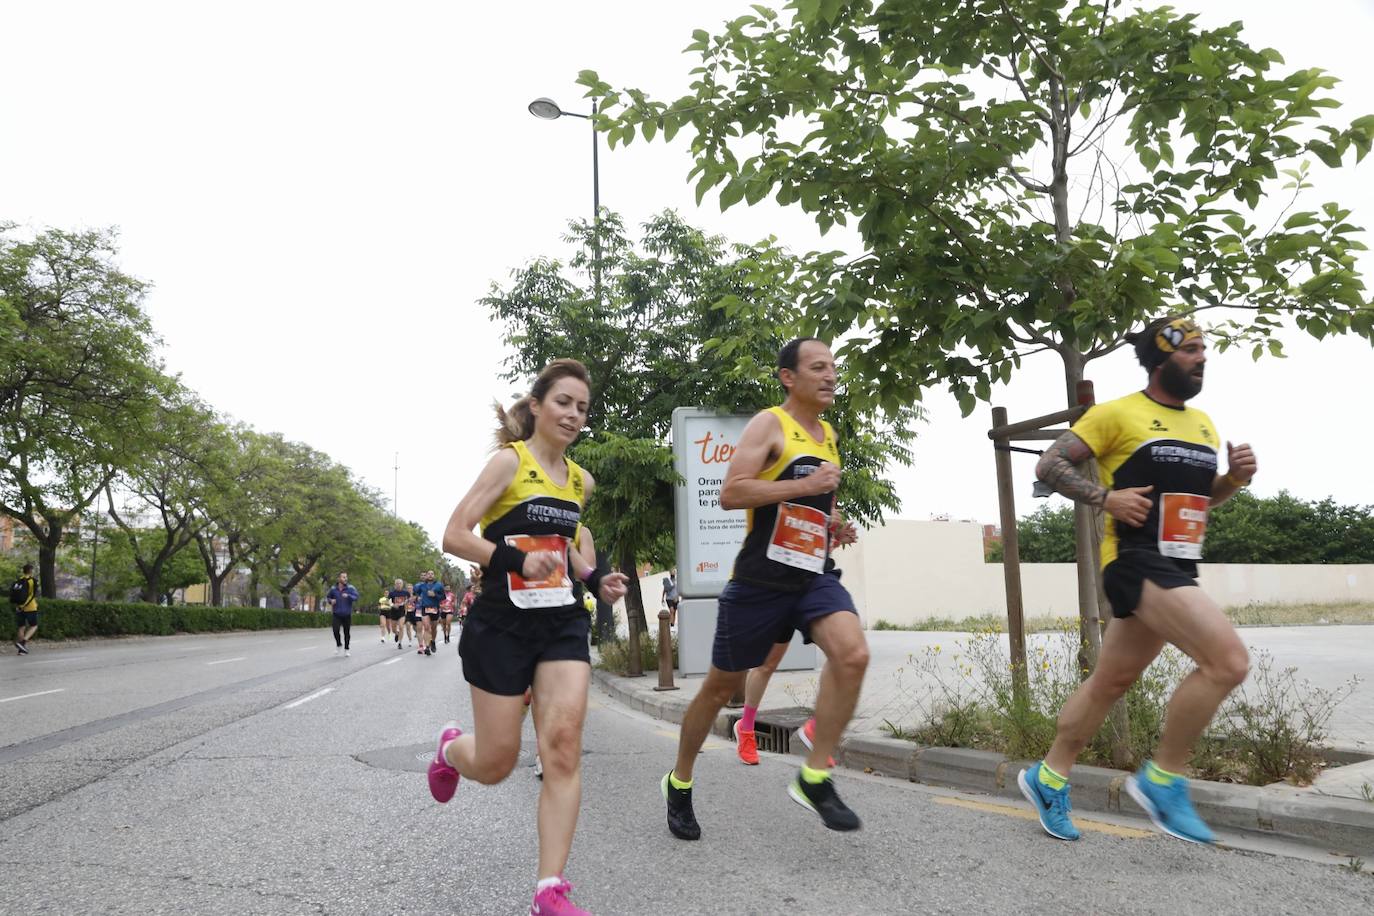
[443, 779]
[808, 735]
[553, 901]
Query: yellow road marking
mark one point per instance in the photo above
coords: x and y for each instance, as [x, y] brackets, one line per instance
[1082, 823]
[710, 745]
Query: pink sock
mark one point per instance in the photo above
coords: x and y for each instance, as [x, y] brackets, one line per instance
[746, 721]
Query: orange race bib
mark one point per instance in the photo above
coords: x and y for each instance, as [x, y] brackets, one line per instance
[556, 590]
[799, 537]
[1182, 525]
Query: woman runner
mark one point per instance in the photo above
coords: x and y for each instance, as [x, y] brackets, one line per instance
[525, 630]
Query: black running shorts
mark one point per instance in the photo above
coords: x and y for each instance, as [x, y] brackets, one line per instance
[751, 619]
[396, 613]
[26, 618]
[500, 649]
[1124, 578]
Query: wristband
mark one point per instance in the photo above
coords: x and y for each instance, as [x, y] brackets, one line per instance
[1235, 482]
[506, 558]
[593, 581]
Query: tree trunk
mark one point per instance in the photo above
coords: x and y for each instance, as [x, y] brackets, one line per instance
[634, 610]
[1084, 527]
[47, 559]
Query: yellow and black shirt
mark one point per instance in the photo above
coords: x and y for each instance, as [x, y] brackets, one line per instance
[787, 544]
[1140, 443]
[533, 513]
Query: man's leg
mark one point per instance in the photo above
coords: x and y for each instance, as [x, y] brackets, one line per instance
[715, 692]
[746, 744]
[1128, 647]
[334, 625]
[841, 637]
[1189, 619]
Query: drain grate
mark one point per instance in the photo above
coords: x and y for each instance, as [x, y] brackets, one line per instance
[773, 728]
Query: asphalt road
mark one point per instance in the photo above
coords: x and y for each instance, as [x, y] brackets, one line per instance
[259, 774]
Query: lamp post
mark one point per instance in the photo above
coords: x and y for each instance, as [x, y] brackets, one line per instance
[548, 110]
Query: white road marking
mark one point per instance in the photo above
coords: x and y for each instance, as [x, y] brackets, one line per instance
[38, 694]
[54, 661]
[309, 648]
[393, 661]
[314, 696]
[225, 661]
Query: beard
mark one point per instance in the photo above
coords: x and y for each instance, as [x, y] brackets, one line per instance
[1178, 382]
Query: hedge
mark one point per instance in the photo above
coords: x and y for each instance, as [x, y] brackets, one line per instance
[74, 619]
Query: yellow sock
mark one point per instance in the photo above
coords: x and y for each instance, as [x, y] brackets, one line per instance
[1050, 778]
[678, 783]
[813, 777]
[1160, 776]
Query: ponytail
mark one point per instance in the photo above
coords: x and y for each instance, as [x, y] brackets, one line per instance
[516, 423]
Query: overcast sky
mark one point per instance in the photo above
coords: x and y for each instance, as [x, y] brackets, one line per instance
[320, 192]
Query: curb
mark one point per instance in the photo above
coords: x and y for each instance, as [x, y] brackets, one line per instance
[1342, 826]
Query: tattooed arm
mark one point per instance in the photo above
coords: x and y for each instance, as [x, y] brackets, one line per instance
[1058, 467]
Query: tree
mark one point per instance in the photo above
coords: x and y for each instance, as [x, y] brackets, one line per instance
[1024, 176]
[170, 483]
[1043, 536]
[1113, 185]
[78, 380]
[667, 333]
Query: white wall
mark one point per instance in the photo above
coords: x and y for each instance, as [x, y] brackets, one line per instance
[909, 571]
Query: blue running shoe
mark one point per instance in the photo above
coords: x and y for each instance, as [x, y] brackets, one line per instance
[1052, 805]
[1169, 807]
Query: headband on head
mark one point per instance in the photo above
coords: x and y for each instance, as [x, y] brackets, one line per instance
[1153, 350]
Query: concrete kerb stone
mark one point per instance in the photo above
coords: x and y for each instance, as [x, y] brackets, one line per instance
[1341, 825]
[883, 756]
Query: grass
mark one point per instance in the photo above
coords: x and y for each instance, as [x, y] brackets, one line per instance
[1250, 615]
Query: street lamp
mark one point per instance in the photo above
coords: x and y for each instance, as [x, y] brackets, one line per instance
[547, 110]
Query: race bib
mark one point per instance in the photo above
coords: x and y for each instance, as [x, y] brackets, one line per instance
[799, 537]
[556, 590]
[1182, 525]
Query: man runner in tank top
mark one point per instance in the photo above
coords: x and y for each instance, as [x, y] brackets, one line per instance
[784, 473]
[1157, 479]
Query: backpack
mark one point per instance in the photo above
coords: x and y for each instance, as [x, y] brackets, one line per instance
[19, 593]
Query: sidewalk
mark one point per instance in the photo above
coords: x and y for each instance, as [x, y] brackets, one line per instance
[1327, 656]
[1333, 814]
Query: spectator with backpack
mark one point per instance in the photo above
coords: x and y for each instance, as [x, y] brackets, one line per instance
[24, 597]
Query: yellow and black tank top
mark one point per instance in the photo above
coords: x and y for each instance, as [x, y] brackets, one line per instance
[1140, 442]
[534, 513]
[787, 544]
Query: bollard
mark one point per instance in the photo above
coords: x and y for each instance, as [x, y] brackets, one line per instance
[665, 653]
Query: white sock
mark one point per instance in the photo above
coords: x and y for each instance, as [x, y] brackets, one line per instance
[546, 883]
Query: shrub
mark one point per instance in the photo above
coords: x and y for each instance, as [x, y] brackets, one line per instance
[615, 656]
[58, 619]
[1269, 730]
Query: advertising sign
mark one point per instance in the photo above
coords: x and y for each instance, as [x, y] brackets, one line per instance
[708, 537]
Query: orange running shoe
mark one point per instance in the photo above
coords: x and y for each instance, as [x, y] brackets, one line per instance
[746, 745]
[808, 735]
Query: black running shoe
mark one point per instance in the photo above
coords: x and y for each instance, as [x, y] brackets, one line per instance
[429, 651]
[23, 649]
[822, 799]
[682, 821]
